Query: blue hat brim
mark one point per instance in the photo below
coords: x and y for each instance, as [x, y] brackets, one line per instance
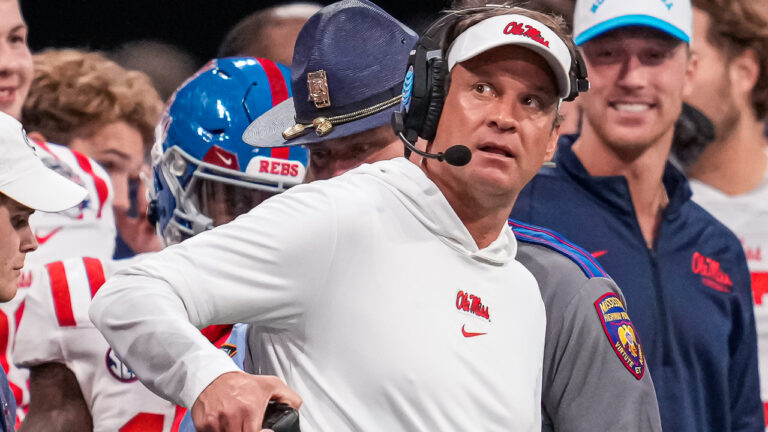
[628, 21]
[267, 129]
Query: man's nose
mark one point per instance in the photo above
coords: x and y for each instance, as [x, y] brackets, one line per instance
[28, 240]
[633, 74]
[503, 116]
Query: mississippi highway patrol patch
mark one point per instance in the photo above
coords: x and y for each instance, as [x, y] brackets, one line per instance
[621, 333]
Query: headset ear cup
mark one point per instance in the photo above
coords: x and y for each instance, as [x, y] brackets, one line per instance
[438, 73]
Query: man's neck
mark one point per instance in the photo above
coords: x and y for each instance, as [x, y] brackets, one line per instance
[735, 164]
[482, 215]
[643, 170]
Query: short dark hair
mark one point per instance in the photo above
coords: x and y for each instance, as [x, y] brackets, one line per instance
[736, 26]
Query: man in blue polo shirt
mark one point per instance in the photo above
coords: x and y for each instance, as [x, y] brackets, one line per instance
[683, 273]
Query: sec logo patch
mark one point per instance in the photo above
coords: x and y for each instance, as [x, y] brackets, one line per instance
[118, 369]
[621, 333]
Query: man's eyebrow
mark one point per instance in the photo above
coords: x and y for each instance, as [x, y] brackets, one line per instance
[21, 209]
[116, 152]
[21, 26]
[544, 89]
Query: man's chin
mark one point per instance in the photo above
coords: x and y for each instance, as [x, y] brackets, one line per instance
[8, 290]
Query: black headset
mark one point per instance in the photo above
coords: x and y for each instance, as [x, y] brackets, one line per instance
[427, 73]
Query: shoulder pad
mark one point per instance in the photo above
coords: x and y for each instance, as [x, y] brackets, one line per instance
[554, 241]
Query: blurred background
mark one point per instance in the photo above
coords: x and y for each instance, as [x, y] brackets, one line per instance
[196, 26]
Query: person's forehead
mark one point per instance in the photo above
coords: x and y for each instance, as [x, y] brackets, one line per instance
[507, 60]
[11, 14]
[14, 206]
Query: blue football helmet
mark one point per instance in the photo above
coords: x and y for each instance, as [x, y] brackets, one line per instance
[204, 174]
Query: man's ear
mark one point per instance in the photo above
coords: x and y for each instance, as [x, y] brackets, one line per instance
[552, 143]
[690, 72]
[36, 136]
[744, 71]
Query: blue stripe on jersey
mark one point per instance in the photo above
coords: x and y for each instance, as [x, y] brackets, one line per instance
[542, 236]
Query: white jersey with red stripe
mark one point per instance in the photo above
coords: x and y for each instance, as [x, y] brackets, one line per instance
[747, 216]
[56, 328]
[85, 230]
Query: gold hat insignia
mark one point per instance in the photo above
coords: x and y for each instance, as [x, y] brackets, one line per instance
[318, 89]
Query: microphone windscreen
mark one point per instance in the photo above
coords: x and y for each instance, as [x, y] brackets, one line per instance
[458, 155]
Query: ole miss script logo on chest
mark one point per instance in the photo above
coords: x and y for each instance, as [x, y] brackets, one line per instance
[474, 306]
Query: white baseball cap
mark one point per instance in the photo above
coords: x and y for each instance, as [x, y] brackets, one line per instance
[25, 179]
[595, 17]
[515, 30]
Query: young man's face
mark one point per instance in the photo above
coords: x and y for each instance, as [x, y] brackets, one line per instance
[638, 79]
[15, 59]
[502, 105]
[712, 92]
[119, 148]
[16, 240]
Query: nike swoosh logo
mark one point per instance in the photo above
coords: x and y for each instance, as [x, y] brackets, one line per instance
[41, 240]
[469, 334]
[226, 160]
[598, 254]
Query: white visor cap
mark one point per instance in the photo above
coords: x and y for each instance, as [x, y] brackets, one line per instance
[515, 30]
[25, 179]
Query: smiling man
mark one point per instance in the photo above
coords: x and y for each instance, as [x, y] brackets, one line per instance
[388, 298]
[683, 273]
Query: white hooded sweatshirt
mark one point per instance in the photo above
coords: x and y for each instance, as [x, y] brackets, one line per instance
[366, 295]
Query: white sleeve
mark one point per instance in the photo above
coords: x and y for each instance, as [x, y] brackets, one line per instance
[39, 334]
[261, 268]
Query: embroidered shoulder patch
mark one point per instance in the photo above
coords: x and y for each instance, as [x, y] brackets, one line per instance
[621, 333]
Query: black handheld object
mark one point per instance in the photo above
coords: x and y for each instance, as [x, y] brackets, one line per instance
[280, 418]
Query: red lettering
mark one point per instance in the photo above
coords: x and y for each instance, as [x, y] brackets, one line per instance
[263, 166]
[697, 263]
[532, 33]
[710, 269]
[25, 280]
[529, 31]
[294, 170]
[459, 300]
[753, 254]
[472, 304]
[286, 169]
[275, 168]
[514, 28]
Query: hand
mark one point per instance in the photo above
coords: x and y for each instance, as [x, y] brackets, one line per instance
[236, 401]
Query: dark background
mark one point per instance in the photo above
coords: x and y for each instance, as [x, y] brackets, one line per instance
[197, 26]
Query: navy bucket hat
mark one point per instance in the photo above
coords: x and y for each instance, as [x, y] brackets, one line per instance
[347, 77]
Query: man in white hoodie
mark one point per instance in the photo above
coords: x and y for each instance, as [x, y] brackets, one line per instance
[382, 297]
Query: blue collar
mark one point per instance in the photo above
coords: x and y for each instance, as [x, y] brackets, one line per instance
[614, 190]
